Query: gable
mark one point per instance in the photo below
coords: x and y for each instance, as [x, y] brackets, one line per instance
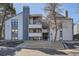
[59, 15]
[15, 17]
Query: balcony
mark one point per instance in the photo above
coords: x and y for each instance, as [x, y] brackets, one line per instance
[1, 9]
[35, 25]
[44, 30]
[35, 34]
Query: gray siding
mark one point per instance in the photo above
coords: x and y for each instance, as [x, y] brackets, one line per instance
[25, 22]
[20, 27]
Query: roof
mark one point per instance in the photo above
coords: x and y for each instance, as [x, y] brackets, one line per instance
[15, 15]
[36, 15]
[30, 15]
[58, 15]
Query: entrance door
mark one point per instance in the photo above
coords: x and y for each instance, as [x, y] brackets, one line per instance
[45, 36]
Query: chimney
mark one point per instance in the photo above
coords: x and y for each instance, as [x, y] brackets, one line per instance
[66, 13]
[26, 9]
[26, 13]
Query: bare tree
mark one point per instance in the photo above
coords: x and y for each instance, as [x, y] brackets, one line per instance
[6, 7]
[53, 9]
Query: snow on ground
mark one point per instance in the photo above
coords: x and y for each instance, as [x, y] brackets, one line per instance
[29, 52]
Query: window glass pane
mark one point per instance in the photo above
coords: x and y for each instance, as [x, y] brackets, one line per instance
[14, 27]
[37, 30]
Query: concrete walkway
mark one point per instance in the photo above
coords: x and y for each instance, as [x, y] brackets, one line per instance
[41, 44]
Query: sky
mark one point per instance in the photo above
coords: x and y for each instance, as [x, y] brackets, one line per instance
[38, 8]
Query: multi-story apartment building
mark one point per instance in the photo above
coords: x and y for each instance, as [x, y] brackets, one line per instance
[35, 27]
[26, 26]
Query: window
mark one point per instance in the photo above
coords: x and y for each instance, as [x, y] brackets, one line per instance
[30, 30]
[37, 30]
[35, 20]
[14, 34]
[14, 29]
[14, 24]
[60, 33]
[45, 27]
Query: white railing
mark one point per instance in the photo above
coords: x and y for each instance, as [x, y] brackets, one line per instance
[44, 30]
[35, 34]
[35, 25]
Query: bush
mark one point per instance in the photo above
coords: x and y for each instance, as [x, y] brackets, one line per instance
[76, 37]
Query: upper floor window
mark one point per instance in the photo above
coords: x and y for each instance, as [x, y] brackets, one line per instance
[45, 27]
[38, 30]
[61, 34]
[14, 23]
[14, 29]
[35, 20]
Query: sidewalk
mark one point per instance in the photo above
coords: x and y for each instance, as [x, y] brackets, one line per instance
[41, 44]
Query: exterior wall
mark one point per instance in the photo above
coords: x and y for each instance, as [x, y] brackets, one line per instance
[8, 30]
[20, 27]
[8, 27]
[68, 30]
[76, 28]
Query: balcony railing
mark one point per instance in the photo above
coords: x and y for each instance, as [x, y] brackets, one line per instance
[35, 21]
[35, 34]
[35, 25]
[44, 30]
